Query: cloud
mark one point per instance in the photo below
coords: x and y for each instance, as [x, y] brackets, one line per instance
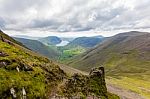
[74, 15]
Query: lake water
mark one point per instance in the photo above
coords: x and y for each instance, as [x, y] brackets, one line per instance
[63, 43]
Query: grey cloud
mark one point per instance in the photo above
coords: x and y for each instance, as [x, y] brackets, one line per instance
[73, 15]
[44, 23]
[2, 22]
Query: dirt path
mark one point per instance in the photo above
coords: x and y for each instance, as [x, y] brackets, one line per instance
[71, 70]
[124, 94]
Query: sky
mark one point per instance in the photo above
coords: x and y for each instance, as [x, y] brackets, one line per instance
[73, 18]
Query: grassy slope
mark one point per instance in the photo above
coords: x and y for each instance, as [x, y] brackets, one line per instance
[38, 81]
[9, 38]
[68, 52]
[48, 51]
[126, 58]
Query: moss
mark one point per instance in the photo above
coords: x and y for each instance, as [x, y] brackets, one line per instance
[112, 96]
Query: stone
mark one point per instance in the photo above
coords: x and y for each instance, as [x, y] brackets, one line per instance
[4, 63]
[17, 68]
[24, 93]
[13, 93]
[6, 40]
[97, 71]
[25, 67]
[2, 54]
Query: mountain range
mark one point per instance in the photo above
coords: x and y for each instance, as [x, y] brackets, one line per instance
[53, 48]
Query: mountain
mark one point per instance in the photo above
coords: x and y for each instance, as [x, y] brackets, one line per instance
[126, 58]
[86, 42]
[116, 52]
[98, 36]
[25, 75]
[50, 40]
[37, 46]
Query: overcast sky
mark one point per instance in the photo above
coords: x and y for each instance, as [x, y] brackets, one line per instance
[73, 17]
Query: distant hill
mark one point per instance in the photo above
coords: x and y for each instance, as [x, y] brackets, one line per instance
[86, 42]
[37, 46]
[69, 39]
[50, 40]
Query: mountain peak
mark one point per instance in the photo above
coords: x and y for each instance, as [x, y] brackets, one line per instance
[131, 33]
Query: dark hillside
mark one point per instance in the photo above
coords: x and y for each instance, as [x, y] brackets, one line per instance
[48, 51]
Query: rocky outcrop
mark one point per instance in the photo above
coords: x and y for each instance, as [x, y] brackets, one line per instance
[92, 85]
[6, 40]
[4, 63]
[97, 83]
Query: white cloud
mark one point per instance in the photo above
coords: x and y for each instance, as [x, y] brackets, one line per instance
[74, 15]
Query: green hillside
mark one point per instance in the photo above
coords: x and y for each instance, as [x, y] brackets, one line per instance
[3, 35]
[48, 51]
[22, 69]
[86, 42]
[50, 40]
[68, 52]
[125, 56]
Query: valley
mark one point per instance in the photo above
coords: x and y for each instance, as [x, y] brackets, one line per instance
[124, 60]
[53, 47]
